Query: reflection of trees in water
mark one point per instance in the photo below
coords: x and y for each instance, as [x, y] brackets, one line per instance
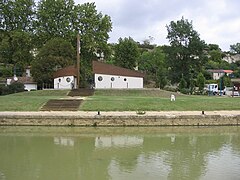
[184, 153]
[235, 143]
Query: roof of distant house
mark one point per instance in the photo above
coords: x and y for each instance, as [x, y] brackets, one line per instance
[108, 69]
[24, 80]
[220, 71]
[67, 71]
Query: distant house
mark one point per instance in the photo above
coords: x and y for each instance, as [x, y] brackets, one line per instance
[108, 76]
[218, 73]
[65, 78]
[26, 80]
[231, 58]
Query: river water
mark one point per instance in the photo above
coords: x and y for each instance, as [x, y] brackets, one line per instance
[65, 153]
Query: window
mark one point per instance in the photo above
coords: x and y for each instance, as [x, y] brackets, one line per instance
[112, 78]
[100, 78]
[125, 79]
[68, 79]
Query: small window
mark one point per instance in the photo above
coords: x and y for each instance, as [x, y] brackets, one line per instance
[125, 79]
[68, 79]
[59, 80]
[100, 78]
[112, 78]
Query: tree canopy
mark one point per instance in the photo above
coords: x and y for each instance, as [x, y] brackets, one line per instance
[126, 53]
[56, 53]
[186, 51]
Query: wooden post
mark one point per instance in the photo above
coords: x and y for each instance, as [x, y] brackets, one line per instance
[78, 61]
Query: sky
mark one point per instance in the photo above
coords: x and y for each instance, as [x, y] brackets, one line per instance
[217, 21]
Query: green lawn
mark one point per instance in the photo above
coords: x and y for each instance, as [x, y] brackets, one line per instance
[155, 100]
[122, 100]
[29, 101]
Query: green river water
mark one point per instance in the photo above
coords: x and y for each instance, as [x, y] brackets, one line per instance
[65, 153]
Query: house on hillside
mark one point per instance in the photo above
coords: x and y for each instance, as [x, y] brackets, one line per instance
[108, 76]
[231, 58]
[65, 78]
[26, 80]
[218, 73]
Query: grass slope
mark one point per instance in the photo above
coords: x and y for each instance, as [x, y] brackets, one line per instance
[29, 101]
[155, 100]
[122, 100]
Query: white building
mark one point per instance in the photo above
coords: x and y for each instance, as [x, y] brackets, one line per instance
[108, 76]
[26, 80]
[65, 78]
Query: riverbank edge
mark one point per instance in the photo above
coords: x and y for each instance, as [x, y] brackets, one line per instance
[120, 119]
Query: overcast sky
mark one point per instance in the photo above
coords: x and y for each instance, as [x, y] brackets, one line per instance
[217, 21]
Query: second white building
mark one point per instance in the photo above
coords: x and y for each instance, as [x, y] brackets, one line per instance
[108, 76]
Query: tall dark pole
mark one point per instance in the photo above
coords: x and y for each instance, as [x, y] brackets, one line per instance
[78, 61]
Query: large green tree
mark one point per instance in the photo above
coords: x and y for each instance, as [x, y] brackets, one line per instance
[186, 51]
[15, 48]
[55, 18]
[56, 53]
[16, 30]
[17, 15]
[154, 65]
[126, 53]
[61, 18]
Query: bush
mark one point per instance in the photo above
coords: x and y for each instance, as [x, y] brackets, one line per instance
[185, 91]
[170, 88]
[16, 87]
[13, 88]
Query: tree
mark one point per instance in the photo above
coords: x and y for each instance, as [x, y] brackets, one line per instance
[186, 51]
[93, 28]
[16, 30]
[153, 63]
[17, 15]
[55, 18]
[235, 48]
[56, 53]
[200, 82]
[61, 18]
[15, 49]
[215, 55]
[126, 53]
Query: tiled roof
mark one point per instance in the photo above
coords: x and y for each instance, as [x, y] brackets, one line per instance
[228, 71]
[24, 80]
[67, 71]
[103, 68]
[219, 71]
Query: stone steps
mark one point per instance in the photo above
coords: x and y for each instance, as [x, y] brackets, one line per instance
[62, 105]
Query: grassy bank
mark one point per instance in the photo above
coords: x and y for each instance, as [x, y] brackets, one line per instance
[28, 101]
[122, 100]
[155, 100]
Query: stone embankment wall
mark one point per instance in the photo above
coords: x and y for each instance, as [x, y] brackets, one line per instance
[99, 120]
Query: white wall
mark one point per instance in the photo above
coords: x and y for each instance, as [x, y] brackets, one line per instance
[117, 82]
[65, 82]
[217, 76]
[30, 87]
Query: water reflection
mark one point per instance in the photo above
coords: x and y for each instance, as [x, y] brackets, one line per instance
[119, 153]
